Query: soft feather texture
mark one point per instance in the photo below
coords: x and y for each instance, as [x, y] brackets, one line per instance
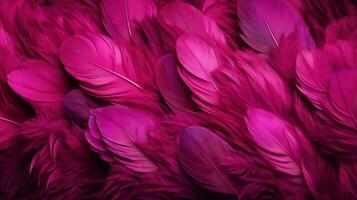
[199, 59]
[201, 153]
[172, 88]
[104, 68]
[264, 23]
[115, 130]
[121, 17]
[42, 85]
[190, 20]
[178, 99]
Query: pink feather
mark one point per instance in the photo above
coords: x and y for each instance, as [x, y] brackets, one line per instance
[103, 68]
[190, 20]
[264, 23]
[172, 88]
[201, 153]
[199, 59]
[41, 84]
[115, 129]
[121, 17]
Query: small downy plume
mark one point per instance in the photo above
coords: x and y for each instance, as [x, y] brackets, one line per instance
[121, 18]
[199, 59]
[175, 93]
[42, 85]
[115, 134]
[188, 19]
[201, 154]
[264, 23]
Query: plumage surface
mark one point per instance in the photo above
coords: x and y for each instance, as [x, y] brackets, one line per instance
[201, 153]
[178, 99]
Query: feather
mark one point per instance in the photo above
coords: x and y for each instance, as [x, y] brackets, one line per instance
[342, 29]
[120, 17]
[104, 69]
[41, 84]
[265, 22]
[283, 58]
[190, 20]
[201, 153]
[77, 106]
[315, 68]
[121, 134]
[257, 81]
[342, 97]
[276, 141]
[199, 60]
[224, 13]
[347, 180]
[175, 93]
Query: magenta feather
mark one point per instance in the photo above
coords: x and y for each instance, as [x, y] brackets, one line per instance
[178, 99]
[199, 59]
[190, 20]
[103, 68]
[276, 140]
[342, 97]
[315, 68]
[342, 29]
[115, 129]
[264, 23]
[121, 17]
[172, 88]
[41, 84]
[201, 153]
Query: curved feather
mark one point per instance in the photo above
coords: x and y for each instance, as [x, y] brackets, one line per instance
[190, 20]
[175, 93]
[276, 141]
[122, 135]
[199, 60]
[121, 16]
[264, 22]
[103, 68]
[198, 57]
[342, 97]
[37, 81]
[315, 68]
[342, 29]
[201, 153]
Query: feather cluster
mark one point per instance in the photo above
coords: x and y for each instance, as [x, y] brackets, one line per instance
[178, 99]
